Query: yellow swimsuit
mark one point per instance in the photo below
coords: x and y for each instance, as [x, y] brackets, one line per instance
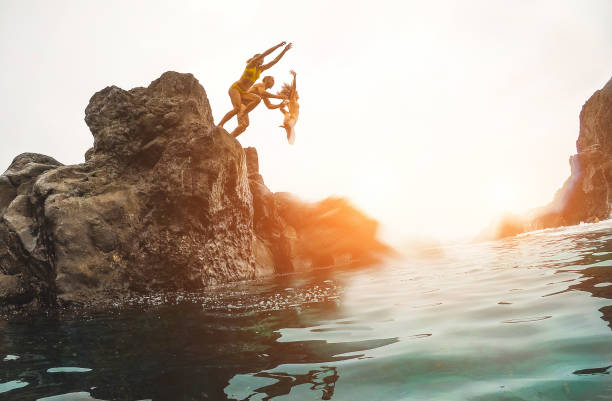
[251, 74]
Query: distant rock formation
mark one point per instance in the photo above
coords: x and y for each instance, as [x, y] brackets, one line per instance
[163, 202]
[586, 196]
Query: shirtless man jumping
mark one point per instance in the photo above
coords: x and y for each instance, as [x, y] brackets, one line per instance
[261, 93]
[244, 100]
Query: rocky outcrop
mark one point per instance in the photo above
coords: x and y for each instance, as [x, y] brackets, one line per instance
[164, 201]
[25, 262]
[586, 196]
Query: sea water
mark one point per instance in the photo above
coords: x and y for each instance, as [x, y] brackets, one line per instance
[525, 318]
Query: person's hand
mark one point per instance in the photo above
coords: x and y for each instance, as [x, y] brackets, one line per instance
[283, 43]
[289, 46]
[293, 73]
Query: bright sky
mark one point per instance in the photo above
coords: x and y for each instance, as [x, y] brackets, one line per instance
[432, 116]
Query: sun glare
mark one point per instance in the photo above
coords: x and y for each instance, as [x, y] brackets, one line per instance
[504, 197]
[372, 194]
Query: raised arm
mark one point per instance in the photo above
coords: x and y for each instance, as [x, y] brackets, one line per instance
[271, 63]
[293, 86]
[270, 50]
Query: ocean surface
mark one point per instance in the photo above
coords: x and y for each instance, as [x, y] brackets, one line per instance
[526, 318]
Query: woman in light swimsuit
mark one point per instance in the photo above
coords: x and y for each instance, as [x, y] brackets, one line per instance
[290, 95]
[242, 100]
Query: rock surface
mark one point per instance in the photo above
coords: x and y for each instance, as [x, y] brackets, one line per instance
[165, 201]
[586, 196]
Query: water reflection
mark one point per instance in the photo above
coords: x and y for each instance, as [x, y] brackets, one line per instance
[179, 352]
[321, 381]
[594, 371]
[514, 319]
[12, 385]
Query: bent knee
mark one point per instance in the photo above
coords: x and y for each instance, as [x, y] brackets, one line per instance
[239, 130]
[243, 121]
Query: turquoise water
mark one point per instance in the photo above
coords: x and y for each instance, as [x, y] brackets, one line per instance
[527, 318]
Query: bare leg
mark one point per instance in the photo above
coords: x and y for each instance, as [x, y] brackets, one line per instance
[251, 101]
[236, 99]
[286, 116]
[250, 98]
[243, 123]
[227, 117]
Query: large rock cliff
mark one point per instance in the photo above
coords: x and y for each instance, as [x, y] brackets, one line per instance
[586, 196]
[164, 201]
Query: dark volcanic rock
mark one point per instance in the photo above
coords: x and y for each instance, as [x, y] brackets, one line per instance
[161, 203]
[586, 196]
[26, 268]
[164, 201]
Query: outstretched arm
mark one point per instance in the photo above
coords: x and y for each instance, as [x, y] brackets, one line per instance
[271, 63]
[270, 105]
[266, 94]
[260, 91]
[270, 50]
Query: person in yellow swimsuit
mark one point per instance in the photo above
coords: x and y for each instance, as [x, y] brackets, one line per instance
[242, 100]
[260, 90]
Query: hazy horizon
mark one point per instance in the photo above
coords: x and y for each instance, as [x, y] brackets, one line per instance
[433, 117]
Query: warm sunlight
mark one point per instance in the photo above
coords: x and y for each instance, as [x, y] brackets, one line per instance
[373, 193]
[346, 200]
[434, 91]
[504, 196]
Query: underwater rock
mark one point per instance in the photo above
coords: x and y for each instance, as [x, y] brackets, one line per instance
[165, 201]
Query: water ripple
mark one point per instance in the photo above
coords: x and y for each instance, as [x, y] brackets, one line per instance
[524, 318]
